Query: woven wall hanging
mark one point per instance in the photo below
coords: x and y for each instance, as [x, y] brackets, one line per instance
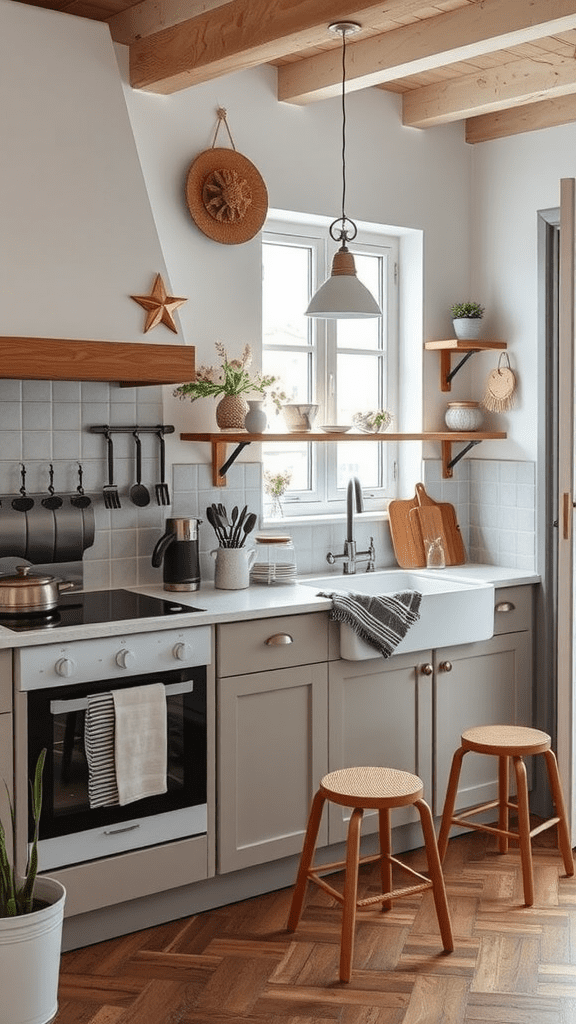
[225, 192]
[500, 387]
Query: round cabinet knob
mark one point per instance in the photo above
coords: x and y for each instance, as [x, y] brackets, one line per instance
[445, 666]
[427, 670]
[125, 658]
[182, 651]
[65, 667]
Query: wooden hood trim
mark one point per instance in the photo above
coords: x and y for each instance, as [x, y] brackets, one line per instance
[127, 363]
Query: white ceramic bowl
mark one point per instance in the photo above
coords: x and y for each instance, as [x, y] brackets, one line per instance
[364, 421]
[299, 416]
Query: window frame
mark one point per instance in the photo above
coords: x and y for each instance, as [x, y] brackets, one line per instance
[324, 497]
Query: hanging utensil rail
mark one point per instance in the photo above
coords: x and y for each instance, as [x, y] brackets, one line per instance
[163, 428]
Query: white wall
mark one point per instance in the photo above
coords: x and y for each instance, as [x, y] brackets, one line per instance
[513, 179]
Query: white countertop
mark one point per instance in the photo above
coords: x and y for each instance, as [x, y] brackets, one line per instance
[258, 601]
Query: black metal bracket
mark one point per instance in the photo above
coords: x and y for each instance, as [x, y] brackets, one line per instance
[454, 371]
[232, 458]
[456, 459]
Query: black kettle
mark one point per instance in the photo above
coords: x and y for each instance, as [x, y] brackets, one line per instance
[178, 546]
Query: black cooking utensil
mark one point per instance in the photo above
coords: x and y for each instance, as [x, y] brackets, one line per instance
[24, 503]
[238, 527]
[139, 494]
[110, 490]
[80, 499]
[214, 521]
[53, 501]
[162, 492]
[248, 527]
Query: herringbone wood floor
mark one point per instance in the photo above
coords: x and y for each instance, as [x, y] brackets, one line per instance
[239, 965]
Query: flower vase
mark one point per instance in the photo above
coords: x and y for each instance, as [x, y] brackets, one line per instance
[231, 412]
[275, 511]
[256, 419]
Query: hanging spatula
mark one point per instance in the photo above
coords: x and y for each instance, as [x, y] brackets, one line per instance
[110, 490]
[161, 489]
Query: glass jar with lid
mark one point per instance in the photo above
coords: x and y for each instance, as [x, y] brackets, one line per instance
[275, 560]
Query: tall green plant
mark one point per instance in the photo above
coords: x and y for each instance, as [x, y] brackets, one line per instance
[17, 896]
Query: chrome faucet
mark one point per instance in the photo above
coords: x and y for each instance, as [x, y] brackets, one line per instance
[350, 555]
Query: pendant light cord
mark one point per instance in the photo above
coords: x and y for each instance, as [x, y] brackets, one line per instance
[343, 133]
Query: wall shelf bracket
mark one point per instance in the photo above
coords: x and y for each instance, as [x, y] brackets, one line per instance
[448, 462]
[219, 460]
[465, 348]
[447, 373]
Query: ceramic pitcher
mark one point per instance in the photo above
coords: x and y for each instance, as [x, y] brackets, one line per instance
[233, 565]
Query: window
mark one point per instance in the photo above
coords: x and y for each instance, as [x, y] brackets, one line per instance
[344, 366]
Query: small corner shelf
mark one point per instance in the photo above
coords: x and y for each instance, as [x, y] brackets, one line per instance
[220, 440]
[452, 345]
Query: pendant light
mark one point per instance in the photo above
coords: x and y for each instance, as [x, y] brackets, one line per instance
[343, 296]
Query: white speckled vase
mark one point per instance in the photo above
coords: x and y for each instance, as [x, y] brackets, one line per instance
[233, 566]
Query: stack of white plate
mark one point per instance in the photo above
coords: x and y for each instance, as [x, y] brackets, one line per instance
[273, 572]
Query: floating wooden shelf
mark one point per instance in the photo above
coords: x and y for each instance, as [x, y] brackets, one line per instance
[220, 441]
[127, 363]
[452, 345]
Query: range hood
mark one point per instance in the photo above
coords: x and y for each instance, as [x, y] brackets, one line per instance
[126, 363]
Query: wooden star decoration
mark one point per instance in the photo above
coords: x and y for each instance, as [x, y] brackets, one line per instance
[159, 305]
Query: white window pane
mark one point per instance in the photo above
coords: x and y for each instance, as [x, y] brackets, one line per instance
[359, 459]
[294, 457]
[285, 294]
[292, 369]
[358, 385]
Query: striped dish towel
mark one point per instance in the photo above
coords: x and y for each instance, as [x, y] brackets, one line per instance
[381, 621]
[99, 726]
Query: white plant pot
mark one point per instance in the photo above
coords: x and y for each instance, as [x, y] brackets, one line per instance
[467, 328]
[30, 947]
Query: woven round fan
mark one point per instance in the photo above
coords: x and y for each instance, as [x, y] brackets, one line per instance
[500, 387]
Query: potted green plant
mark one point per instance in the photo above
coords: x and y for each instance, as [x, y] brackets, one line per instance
[31, 916]
[466, 317]
[231, 381]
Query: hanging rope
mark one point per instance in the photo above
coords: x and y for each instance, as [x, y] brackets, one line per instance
[221, 112]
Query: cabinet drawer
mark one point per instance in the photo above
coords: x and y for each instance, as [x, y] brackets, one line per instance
[263, 644]
[512, 609]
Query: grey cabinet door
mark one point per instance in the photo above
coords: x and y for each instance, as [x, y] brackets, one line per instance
[380, 714]
[487, 683]
[272, 754]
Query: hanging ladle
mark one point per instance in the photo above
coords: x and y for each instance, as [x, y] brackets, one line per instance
[53, 501]
[24, 503]
[80, 500]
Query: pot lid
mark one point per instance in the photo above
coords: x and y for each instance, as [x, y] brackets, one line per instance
[25, 578]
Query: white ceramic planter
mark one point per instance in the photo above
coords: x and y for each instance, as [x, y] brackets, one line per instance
[467, 328]
[255, 420]
[463, 416]
[30, 947]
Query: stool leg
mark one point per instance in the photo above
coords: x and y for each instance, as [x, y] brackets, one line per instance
[308, 849]
[558, 797]
[385, 851]
[503, 796]
[449, 802]
[436, 876]
[350, 894]
[524, 829]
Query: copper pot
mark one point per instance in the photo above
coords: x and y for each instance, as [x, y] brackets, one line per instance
[26, 593]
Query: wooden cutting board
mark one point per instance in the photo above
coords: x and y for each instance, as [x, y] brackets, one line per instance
[426, 523]
[454, 549]
[408, 547]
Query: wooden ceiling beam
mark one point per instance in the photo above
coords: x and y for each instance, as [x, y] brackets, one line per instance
[243, 34]
[459, 35]
[529, 118]
[509, 85]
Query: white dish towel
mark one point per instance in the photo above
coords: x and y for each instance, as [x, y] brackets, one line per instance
[140, 741]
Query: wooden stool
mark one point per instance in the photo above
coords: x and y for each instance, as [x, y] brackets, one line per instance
[361, 788]
[504, 742]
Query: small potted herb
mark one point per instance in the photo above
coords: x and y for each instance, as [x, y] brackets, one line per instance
[466, 317]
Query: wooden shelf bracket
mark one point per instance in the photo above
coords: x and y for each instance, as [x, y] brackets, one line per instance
[448, 462]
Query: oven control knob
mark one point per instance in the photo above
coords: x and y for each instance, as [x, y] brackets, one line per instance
[65, 667]
[182, 651]
[125, 658]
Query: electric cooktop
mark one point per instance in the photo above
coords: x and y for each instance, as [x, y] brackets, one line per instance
[78, 609]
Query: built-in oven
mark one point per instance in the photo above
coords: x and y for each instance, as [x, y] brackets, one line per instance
[59, 679]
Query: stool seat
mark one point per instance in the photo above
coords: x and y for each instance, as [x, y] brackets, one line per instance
[371, 787]
[508, 740]
[382, 789]
[509, 743]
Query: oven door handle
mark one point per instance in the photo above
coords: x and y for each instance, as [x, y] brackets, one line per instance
[62, 707]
